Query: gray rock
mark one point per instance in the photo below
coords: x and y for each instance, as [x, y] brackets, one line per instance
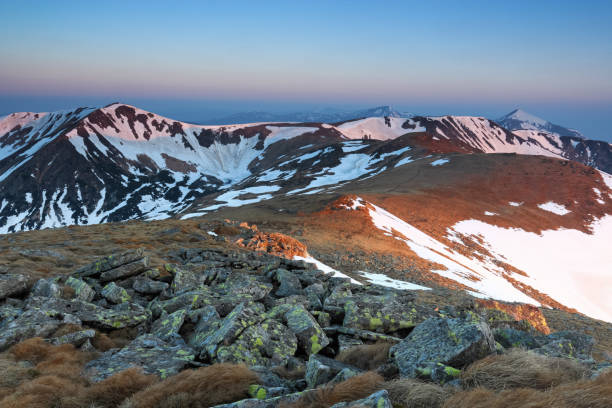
[311, 338]
[12, 284]
[346, 342]
[267, 343]
[46, 288]
[31, 323]
[362, 334]
[208, 321]
[289, 283]
[452, 342]
[321, 370]
[128, 316]
[184, 280]
[76, 338]
[245, 285]
[125, 271]
[148, 286]
[285, 400]
[82, 290]
[149, 352]
[379, 399]
[314, 294]
[167, 327]
[384, 314]
[108, 263]
[243, 316]
[568, 344]
[115, 294]
[509, 337]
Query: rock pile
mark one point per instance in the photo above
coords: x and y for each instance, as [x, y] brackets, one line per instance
[266, 312]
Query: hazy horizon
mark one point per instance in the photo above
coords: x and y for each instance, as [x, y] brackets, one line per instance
[196, 61]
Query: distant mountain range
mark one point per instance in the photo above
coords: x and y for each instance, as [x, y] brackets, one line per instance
[321, 116]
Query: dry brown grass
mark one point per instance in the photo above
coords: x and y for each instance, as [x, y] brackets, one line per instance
[578, 394]
[366, 356]
[353, 389]
[519, 368]
[409, 393]
[114, 390]
[204, 387]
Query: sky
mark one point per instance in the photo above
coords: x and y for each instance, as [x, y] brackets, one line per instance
[196, 60]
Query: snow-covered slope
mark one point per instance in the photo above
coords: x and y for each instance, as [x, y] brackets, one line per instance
[520, 120]
[511, 264]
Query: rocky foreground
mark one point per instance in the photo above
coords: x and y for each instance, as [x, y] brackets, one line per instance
[247, 329]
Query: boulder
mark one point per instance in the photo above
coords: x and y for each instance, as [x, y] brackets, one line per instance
[311, 337]
[321, 370]
[31, 323]
[46, 288]
[509, 337]
[243, 316]
[12, 284]
[115, 294]
[76, 338]
[267, 343]
[117, 318]
[379, 399]
[208, 321]
[289, 283]
[82, 291]
[382, 313]
[148, 352]
[125, 271]
[452, 342]
[168, 325]
[567, 344]
[148, 286]
[108, 263]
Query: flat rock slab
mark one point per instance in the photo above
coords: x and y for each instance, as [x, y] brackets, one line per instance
[452, 342]
[148, 352]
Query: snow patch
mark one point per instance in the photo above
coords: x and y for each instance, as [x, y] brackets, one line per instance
[383, 280]
[327, 269]
[555, 208]
[439, 162]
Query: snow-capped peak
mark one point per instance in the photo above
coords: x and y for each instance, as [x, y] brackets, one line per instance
[521, 115]
[518, 119]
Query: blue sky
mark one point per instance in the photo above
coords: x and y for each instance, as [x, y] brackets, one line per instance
[199, 59]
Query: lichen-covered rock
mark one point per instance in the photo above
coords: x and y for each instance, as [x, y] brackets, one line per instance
[437, 372]
[452, 342]
[168, 325]
[125, 271]
[46, 288]
[108, 263]
[362, 334]
[115, 294]
[379, 399]
[275, 402]
[311, 337]
[321, 370]
[31, 323]
[334, 303]
[315, 293]
[509, 337]
[266, 343]
[82, 291]
[384, 313]
[243, 316]
[246, 285]
[289, 283]
[129, 315]
[184, 280]
[208, 320]
[204, 296]
[76, 338]
[149, 352]
[12, 284]
[148, 286]
[567, 344]
[346, 342]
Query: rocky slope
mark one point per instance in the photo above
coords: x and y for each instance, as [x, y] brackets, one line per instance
[309, 338]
